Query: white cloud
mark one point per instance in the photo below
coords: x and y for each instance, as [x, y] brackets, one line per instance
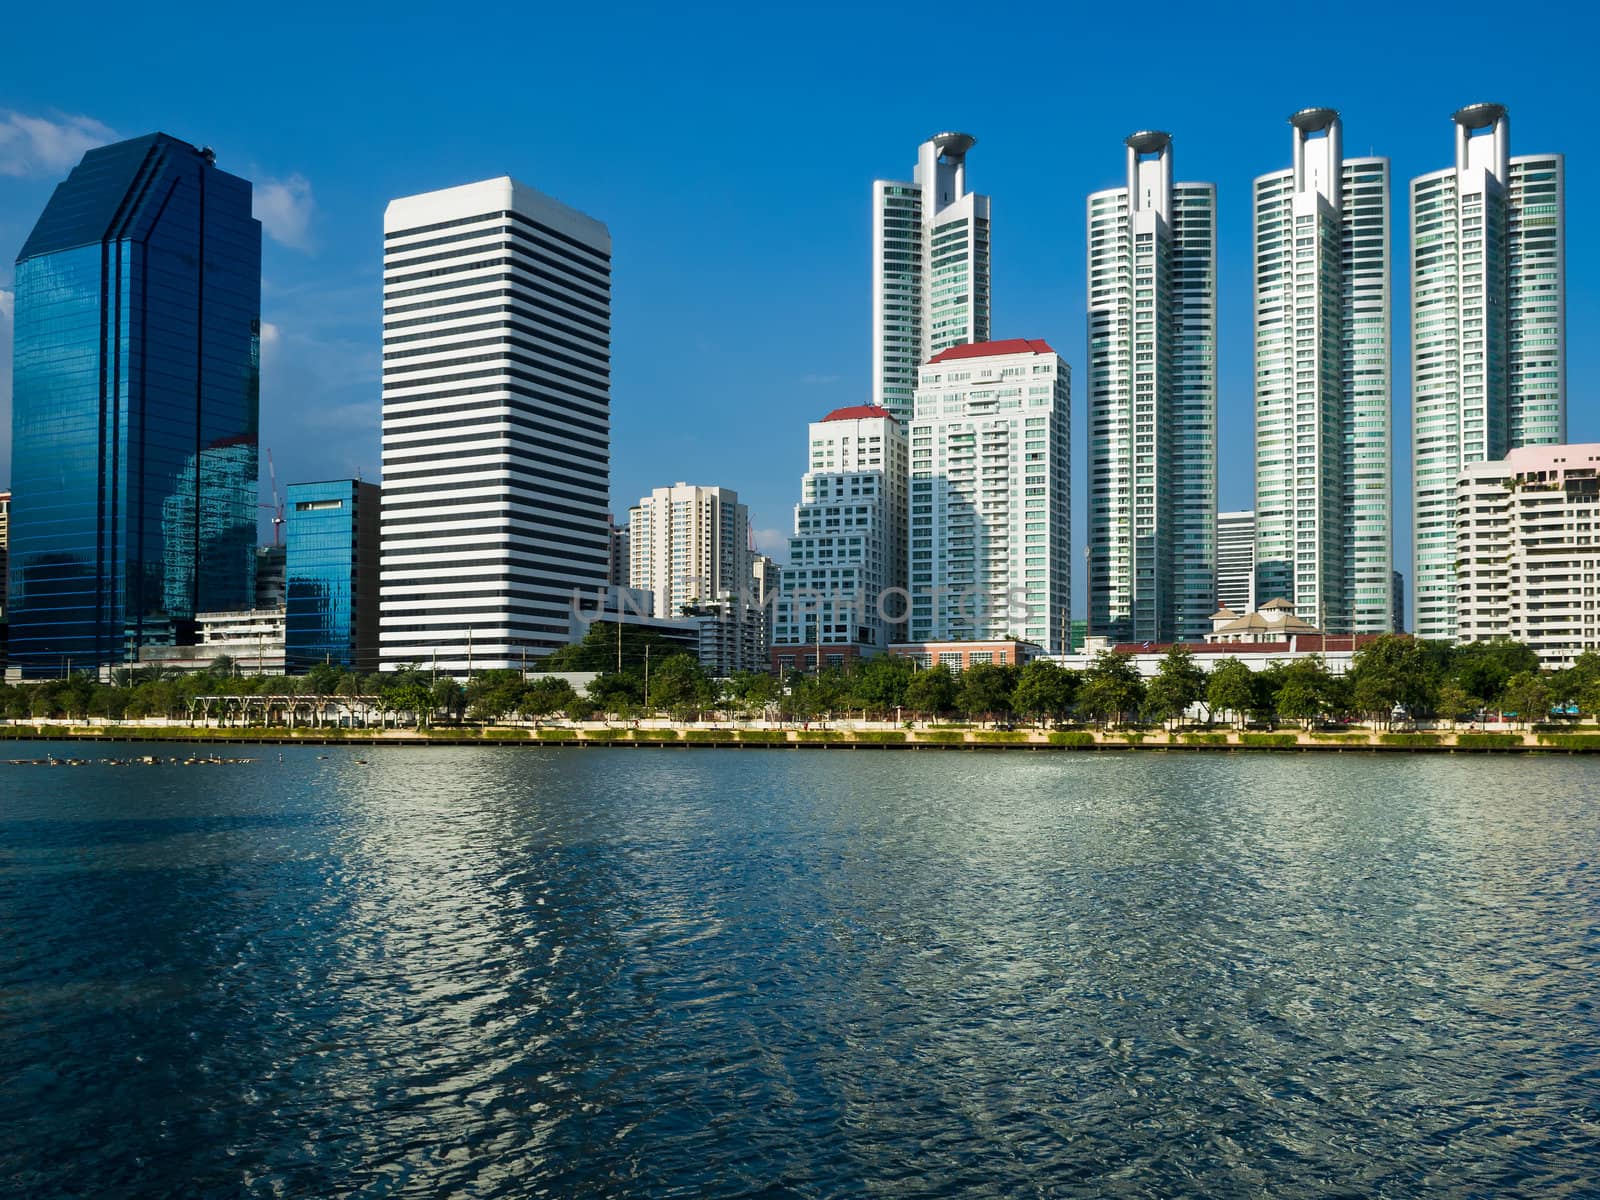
[773, 542]
[271, 335]
[8, 304]
[47, 145]
[284, 208]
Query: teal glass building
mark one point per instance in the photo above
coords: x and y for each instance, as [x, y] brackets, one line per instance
[136, 368]
[331, 575]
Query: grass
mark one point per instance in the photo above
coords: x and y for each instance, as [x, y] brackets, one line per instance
[557, 735]
[1206, 739]
[879, 736]
[707, 735]
[1000, 735]
[1348, 739]
[765, 737]
[819, 735]
[605, 735]
[942, 737]
[659, 735]
[1409, 739]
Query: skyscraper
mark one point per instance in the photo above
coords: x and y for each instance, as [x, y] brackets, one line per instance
[496, 424]
[135, 407]
[1152, 401]
[1324, 539]
[689, 544]
[331, 575]
[930, 269]
[849, 544]
[1236, 561]
[990, 523]
[1488, 352]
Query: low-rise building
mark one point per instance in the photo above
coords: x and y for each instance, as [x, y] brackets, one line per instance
[251, 639]
[1528, 551]
[958, 656]
[1274, 621]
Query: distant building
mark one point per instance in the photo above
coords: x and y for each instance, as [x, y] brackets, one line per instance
[251, 639]
[1528, 551]
[1274, 621]
[688, 545]
[991, 551]
[1236, 560]
[619, 555]
[496, 424]
[269, 577]
[331, 542]
[5, 531]
[1336, 653]
[848, 547]
[1488, 333]
[1397, 621]
[136, 367]
[930, 269]
[958, 656]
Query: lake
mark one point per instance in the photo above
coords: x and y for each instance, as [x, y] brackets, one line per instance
[522, 972]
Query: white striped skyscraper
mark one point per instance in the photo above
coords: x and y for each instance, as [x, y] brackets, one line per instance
[496, 424]
[1152, 401]
[1488, 353]
[1324, 541]
[930, 269]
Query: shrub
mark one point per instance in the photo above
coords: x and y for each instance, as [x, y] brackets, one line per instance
[557, 735]
[708, 735]
[1076, 737]
[1002, 736]
[1410, 739]
[882, 736]
[604, 735]
[1357, 739]
[1206, 739]
[769, 737]
[660, 735]
[819, 735]
[1269, 741]
[942, 737]
[1487, 741]
[1571, 741]
[496, 735]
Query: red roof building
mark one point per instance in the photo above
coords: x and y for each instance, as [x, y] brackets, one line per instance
[859, 412]
[991, 349]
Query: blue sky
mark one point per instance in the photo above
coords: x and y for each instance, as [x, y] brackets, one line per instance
[730, 150]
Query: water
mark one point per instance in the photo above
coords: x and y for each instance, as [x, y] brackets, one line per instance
[525, 972]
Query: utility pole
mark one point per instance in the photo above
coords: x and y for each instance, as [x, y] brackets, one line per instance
[647, 678]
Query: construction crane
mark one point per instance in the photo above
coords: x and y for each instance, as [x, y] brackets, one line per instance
[277, 503]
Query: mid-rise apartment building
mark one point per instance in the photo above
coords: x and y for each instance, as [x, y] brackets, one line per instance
[1236, 560]
[990, 522]
[1528, 549]
[847, 557]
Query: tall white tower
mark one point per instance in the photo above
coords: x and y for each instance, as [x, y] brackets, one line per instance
[930, 269]
[496, 424]
[1152, 401]
[688, 545]
[1322, 333]
[1488, 332]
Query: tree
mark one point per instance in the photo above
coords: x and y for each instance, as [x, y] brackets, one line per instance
[1112, 689]
[1483, 669]
[1231, 689]
[986, 690]
[1178, 684]
[450, 697]
[493, 694]
[1302, 695]
[408, 691]
[1393, 670]
[1453, 700]
[1044, 689]
[544, 695]
[750, 691]
[1527, 697]
[931, 692]
[878, 684]
[679, 683]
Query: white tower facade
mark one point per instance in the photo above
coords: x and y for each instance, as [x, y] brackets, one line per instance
[930, 269]
[1152, 401]
[496, 424]
[689, 545]
[990, 521]
[848, 548]
[1236, 561]
[1322, 346]
[1488, 332]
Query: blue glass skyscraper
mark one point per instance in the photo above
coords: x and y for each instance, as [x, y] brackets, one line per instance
[135, 405]
[331, 575]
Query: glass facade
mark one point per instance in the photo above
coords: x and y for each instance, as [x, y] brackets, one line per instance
[135, 407]
[331, 575]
